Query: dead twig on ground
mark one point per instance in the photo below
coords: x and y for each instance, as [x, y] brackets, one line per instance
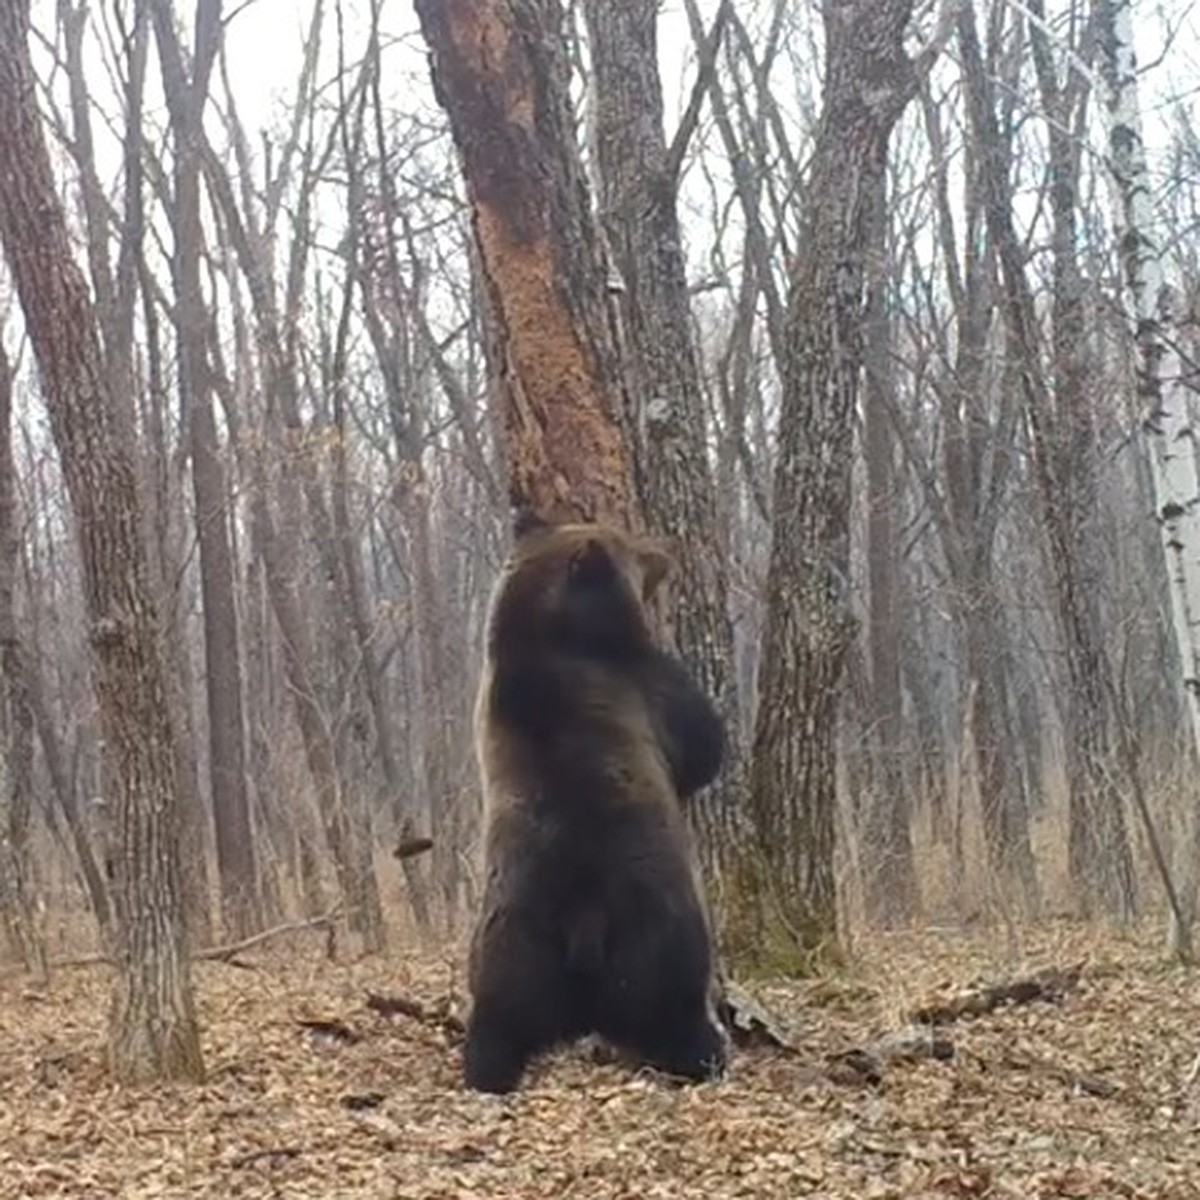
[438, 1016]
[232, 949]
[867, 1064]
[224, 953]
[1050, 984]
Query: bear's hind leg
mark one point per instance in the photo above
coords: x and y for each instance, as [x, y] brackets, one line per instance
[691, 1048]
[520, 1008]
[654, 1002]
[497, 1051]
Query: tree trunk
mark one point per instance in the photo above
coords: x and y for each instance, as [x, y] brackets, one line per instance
[1066, 481]
[501, 72]
[1099, 855]
[16, 719]
[1167, 420]
[891, 879]
[166, 529]
[154, 1031]
[978, 467]
[223, 677]
[1005, 819]
[280, 547]
[639, 178]
[808, 625]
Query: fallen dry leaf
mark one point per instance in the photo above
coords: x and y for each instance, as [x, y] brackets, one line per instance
[314, 1093]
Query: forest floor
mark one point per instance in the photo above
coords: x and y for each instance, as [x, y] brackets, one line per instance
[1091, 1095]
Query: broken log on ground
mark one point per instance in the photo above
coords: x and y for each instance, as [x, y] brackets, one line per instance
[1050, 984]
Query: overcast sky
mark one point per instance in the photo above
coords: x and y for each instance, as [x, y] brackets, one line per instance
[264, 39]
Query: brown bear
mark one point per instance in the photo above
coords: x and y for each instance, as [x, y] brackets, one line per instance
[589, 737]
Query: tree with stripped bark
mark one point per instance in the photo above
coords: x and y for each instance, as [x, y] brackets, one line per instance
[600, 393]
[502, 73]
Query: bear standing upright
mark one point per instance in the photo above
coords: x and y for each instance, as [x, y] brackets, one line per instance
[588, 737]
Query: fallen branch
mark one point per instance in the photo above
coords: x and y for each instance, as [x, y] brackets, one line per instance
[85, 960]
[749, 1024]
[223, 953]
[752, 1026]
[866, 1064]
[1084, 1083]
[438, 1016]
[1050, 984]
[232, 949]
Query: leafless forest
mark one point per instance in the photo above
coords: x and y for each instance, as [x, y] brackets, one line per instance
[886, 314]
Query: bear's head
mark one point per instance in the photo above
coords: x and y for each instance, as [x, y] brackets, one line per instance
[581, 589]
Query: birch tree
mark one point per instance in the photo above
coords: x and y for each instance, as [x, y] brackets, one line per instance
[1166, 419]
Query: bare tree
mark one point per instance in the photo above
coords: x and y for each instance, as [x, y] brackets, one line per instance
[154, 1029]
[639, 178]
[500, 70]
[1067, 456]
[17, 897]
[966, 469]
[223, 679]
[808, 625]
[1166, 419]
[1068, 495]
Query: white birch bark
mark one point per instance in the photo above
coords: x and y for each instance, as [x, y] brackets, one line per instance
[1166, 420]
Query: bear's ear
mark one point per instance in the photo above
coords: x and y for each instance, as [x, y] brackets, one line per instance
[526, 520]
[656, 562]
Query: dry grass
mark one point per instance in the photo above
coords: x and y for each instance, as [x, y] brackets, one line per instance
[1084, 1099]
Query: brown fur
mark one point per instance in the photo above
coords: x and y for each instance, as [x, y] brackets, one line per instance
[588, 737]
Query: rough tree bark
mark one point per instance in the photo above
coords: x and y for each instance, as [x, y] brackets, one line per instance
[638, 182]
[223, 676]
[891, 887]
[808, 626]
[501, 72]
[154, 1032]
[1167, 420]
[116, 299]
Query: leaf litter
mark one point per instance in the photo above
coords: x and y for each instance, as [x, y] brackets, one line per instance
[320, 1087]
